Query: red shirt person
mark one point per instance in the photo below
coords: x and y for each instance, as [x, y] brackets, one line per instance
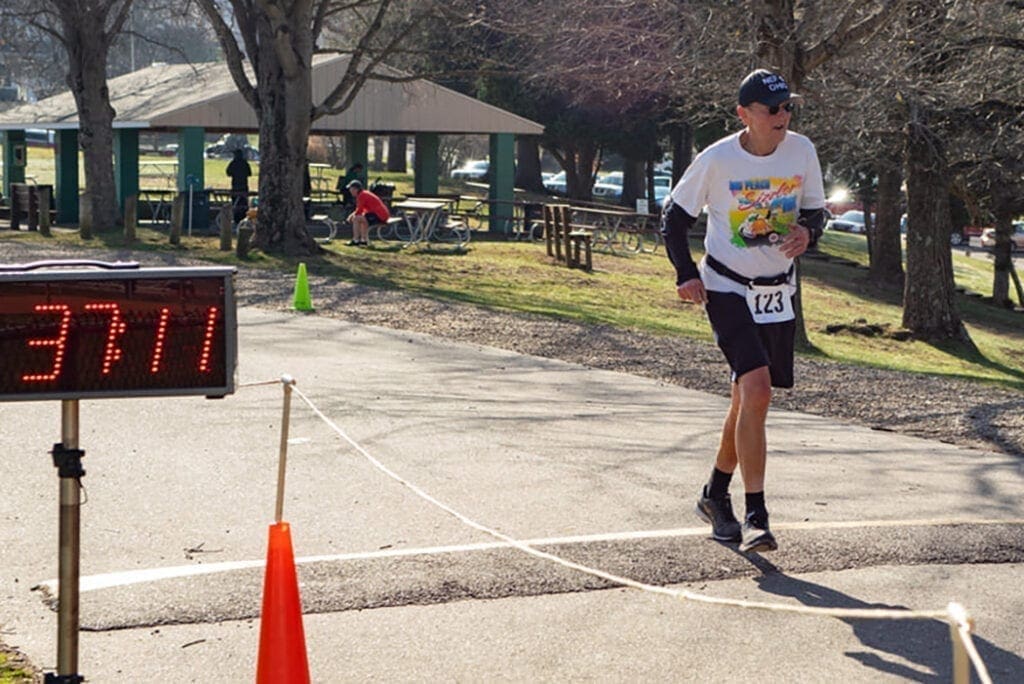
[370, 210]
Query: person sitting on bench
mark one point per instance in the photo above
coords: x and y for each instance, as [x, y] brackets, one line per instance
[370, 210]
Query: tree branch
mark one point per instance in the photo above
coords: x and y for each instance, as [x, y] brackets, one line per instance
[843, 36]
[232, 53]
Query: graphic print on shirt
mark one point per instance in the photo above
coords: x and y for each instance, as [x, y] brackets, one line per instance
[763, 209]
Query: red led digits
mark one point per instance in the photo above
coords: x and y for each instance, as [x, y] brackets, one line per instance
[158, 343]
[211, 322]
[111, 353]
[58, 343]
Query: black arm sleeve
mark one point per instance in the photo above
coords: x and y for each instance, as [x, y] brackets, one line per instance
[814, 221]
[675, 224]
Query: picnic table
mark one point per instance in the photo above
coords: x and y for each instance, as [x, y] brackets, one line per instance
[423, 221]
[166, 171]
[618, 230]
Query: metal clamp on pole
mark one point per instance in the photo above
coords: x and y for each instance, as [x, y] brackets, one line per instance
[68, 462]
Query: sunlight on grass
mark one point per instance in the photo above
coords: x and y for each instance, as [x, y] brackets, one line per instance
[637, 292]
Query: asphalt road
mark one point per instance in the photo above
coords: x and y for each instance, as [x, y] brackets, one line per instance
[596, 467]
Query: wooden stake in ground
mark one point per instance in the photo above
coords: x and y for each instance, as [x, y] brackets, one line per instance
[131, 218]
[177, 214]
[224, 221]
[44, 211]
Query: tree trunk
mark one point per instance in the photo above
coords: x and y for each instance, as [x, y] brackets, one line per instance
[579, 164]
[397, 145]
[87, 79]
[778, 45]
[633, 185]
[865, 198]
[1003, 260]
[886, 265]
[928, 307]
[528, 164]
[682, 150]
[283, 72]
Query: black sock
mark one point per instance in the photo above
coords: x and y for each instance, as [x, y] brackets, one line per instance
[718, 485]
[755, 506]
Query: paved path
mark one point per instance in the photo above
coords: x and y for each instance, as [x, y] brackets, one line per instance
[597, 467]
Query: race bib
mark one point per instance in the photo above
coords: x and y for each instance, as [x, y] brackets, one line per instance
[770, 303]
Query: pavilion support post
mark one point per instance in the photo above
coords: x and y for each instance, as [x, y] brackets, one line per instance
[502, 176]
[66, 176]
[426, 167]
[14, 158]
[357, 145]
[191, 143]
[126, 164]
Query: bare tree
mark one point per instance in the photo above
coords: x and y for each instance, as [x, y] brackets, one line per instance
[960, 81]
[269, 47]
[86, 30]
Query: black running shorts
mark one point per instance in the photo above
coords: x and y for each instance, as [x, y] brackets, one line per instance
[746, 344]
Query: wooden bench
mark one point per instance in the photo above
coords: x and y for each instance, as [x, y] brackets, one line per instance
[580, 239]
[25, 201]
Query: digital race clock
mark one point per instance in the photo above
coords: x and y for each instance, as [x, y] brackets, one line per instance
[119, 331]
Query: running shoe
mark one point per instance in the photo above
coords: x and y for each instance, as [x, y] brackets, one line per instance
[757, 538]
[718, 512]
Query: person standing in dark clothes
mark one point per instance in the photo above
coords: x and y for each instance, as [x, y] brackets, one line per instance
[239, 171]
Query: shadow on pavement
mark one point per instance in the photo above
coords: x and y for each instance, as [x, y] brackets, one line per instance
[923, 643]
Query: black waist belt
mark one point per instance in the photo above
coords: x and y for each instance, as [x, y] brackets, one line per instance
[721, 269]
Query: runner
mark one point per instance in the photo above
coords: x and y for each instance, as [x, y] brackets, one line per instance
[763, 193]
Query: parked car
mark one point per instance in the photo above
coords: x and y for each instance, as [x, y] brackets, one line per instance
[988, 237]
[609, 186]
[962, 237]
[556, 184]
[222, 151]
[39, 137]
[850, 221]
[608, 191]
[472, 170]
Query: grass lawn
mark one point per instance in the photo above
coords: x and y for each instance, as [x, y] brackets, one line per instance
[12, 674]
[636, 292]
[41, 167]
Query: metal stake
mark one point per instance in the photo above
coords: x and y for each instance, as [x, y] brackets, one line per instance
[67, 457]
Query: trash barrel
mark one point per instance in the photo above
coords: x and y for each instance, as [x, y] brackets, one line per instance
[197, 210]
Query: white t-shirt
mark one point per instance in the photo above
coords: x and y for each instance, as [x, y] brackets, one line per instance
[751, 203]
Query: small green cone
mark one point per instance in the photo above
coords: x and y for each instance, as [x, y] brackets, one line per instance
[301, 300]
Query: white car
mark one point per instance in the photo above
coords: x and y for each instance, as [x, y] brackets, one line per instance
[988, 237]
[556, 183]
[472, 170]
[850, 221]
[609, 186]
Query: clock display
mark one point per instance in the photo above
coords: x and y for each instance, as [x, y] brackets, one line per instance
[70, 334]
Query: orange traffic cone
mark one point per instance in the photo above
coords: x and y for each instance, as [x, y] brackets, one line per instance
[282, 658]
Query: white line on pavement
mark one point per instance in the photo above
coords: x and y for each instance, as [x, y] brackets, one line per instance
[117, 579]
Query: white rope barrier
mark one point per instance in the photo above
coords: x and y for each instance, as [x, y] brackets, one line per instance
[961, 626]
[260, 383]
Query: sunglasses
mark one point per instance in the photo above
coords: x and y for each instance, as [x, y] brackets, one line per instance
[774, 109]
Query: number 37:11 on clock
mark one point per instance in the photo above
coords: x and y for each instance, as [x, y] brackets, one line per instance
[126, 335]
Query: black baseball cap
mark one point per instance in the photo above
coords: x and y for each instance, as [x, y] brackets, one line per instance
[765, 87]
[354, 184]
